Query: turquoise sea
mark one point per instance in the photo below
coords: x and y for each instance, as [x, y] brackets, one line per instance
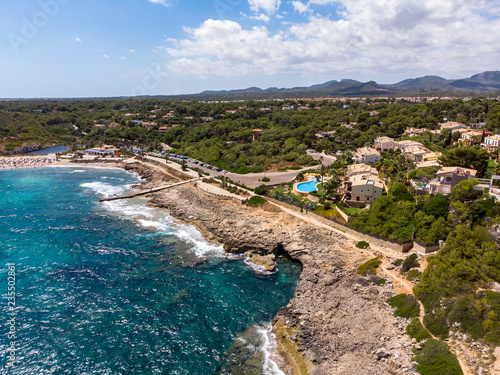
[122, 288]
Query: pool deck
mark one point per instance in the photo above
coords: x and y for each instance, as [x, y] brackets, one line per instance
[301, 193]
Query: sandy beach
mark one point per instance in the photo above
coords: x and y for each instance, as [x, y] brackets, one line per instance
[24, 162]
[17, 162]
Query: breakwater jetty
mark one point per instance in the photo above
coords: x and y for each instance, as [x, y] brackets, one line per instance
[145, 191]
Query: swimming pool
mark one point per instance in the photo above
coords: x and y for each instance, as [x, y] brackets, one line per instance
[307, 187]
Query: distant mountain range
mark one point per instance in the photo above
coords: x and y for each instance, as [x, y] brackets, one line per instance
[486, 82]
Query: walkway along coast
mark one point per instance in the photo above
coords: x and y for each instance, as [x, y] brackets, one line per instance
[337, 322]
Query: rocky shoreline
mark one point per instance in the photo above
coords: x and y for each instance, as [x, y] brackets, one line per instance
[337, 322]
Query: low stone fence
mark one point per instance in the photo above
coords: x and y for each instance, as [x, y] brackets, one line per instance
[346, 217]
[234, 199]
[426, 248]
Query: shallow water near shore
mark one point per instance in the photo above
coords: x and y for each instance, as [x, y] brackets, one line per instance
[119, 287]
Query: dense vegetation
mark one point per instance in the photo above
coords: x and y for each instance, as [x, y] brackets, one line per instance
[401, 217]
[436, 358]
[406, 305]
[227, 141]
[448, 286]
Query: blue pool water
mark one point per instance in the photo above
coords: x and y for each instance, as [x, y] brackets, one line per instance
[307, 187]
[122, 288]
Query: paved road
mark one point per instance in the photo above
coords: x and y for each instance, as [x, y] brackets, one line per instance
[255, 179]
[251, 180]
[327, 159]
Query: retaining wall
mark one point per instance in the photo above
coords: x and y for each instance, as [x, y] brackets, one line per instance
[425, 248]
[346, 217]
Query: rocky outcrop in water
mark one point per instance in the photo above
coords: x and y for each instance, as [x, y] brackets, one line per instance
[24, 149]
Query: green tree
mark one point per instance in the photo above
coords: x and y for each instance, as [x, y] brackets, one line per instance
[464, 191]
[467, 157]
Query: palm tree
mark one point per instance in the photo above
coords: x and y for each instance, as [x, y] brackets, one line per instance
[322, 171]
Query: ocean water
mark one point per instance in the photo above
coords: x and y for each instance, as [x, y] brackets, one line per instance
[50, 150]
[121, 288]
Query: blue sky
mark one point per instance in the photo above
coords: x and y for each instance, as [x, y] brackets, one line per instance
[75, 48]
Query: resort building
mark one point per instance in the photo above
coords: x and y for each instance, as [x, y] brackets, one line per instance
[365, 190]
[367, 155]
[428, 163]
[413, 132]
[207, 119]
[477, 125]
[257, 134]
[471, 137]
[383, 144]
[102, 151]
[491, 143]
[453, 126]
[405, 145]
[360, 169]
[329, 134]
[149, 125]
[362, 184]
[448, 177]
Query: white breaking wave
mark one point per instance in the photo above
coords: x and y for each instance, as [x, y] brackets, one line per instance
[77, 171]
[104, 189]
[270, 351]
[201, 247]
[160, 220]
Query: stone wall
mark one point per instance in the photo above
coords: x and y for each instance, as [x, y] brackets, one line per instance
[346, 217]
[425, 248]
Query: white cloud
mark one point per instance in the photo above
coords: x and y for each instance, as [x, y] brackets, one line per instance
[106, 56]
[78, 40]
[261, 17]
[166, 3]
[300, 6]
[122, 58]
[370, 37]
[268, 6]
[132, 51]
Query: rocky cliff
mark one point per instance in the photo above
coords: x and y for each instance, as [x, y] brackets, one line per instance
[337, 322]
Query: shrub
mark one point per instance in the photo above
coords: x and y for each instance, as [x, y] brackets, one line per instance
[417, 331]
[266, 179]
[261, 190]
[409, 263]
[398, 262]
[413, 274]
[381, 281]
[406, 305]
[437, 323]
[255, 201]
[327, 205]
[362, 245]
[436, 358]
[369, 267]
